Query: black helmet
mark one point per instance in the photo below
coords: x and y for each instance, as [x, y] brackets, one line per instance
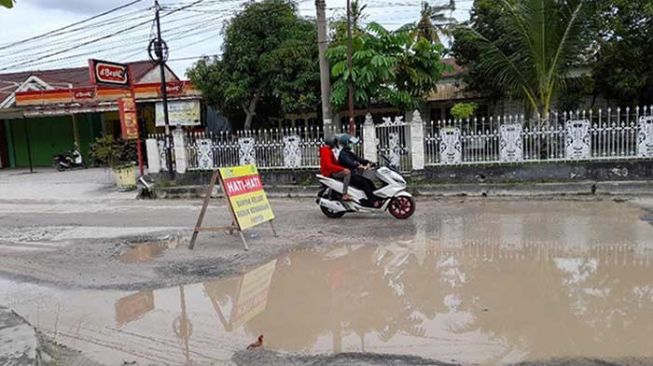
[331, 141]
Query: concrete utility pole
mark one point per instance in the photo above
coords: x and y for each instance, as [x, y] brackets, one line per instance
[352, 125]
[325, 74]
[161, 56]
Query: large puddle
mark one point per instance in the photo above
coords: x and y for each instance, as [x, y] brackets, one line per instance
[468, 290]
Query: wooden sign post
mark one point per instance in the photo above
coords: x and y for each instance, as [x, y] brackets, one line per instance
[246, 198]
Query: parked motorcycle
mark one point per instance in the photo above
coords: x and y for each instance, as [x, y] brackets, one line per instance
[69, 160]
[394, 197]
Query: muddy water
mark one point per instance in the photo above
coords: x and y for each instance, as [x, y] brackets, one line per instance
[502, 286]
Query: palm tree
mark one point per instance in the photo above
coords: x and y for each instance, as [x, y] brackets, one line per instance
[433, 22]
[537, 44]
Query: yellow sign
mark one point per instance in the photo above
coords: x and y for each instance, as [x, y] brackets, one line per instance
[243, 187]
[253, 294]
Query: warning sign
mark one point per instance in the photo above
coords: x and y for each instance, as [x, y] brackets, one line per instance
[244, 189]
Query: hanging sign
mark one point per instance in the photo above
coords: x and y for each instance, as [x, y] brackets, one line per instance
[108, 73]
[128, 118]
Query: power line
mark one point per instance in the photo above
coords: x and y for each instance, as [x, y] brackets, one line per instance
[71, 25]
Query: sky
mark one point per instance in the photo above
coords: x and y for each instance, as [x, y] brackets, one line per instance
[190, 32]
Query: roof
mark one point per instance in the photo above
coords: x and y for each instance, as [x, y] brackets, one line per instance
[455, 68]
[63, 78]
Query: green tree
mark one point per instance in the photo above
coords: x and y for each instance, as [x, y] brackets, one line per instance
[392, 67]
[623, 70]
[529, 47]
[7, 3]
[434, 23]
[268, 59]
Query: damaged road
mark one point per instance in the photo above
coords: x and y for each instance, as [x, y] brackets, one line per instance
[465, 281]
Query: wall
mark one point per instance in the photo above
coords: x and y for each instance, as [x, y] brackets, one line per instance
[636, 170]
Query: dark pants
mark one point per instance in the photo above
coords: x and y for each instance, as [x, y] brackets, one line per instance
[345, 177]
[364, 184]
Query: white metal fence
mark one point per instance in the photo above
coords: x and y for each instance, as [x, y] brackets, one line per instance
[414, 144]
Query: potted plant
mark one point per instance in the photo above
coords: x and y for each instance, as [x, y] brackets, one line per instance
[120, 156]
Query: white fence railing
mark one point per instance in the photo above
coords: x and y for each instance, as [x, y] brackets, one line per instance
[413, 144]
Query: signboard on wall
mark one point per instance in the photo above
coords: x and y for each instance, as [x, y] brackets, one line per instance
[128, 118]
[180, 113]
[108, 73]
[243, 187]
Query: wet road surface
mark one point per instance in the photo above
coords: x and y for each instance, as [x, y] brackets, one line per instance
[497, 283]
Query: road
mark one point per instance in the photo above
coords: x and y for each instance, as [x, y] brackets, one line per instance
[465, 281]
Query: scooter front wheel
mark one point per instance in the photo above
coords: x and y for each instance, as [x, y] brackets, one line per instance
[402, 207]
[331, 214]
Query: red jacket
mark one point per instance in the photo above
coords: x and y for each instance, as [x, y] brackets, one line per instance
[328, 162]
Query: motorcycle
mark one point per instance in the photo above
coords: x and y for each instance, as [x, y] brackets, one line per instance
[392, 194]
[69, 160]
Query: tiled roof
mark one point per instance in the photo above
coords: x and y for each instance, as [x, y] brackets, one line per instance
[62, 78]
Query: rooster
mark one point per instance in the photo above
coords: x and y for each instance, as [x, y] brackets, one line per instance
[257, 344]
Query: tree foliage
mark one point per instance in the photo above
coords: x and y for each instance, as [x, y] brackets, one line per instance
[623, 69]
[388, 67]
[268, 58]
[463, 110]
[525, 48]
[7, 3]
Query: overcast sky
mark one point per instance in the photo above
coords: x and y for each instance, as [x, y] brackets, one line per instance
[190, 33]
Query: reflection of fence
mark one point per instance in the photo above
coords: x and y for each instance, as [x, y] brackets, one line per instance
[413, 144]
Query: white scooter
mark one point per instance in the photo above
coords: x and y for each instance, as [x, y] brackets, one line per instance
[394, 197]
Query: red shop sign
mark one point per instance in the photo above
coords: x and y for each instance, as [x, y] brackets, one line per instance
[108, 73]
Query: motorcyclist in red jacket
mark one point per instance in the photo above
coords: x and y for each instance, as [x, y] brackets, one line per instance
[329, 166]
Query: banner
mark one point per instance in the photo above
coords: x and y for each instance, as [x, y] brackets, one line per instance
[128, 118]
[180, 113]
[244, 189]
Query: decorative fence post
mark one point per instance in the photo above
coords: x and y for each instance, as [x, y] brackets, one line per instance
[292, 152]
[451, 151]
[511, 144]
[153, 156]
[645, 138]
[578, 144]
[416, 141]
[205, 154]
[369, 140]
[179, 144]
[246, 151]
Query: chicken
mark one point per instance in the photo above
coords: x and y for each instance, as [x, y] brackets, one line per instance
[257, 344]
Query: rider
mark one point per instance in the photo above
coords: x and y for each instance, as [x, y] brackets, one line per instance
[354, 163]
[329, 166]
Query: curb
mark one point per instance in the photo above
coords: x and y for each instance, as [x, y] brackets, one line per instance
[621, 188]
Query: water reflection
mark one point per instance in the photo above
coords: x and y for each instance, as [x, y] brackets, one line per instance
[492, 301]
[487, 284]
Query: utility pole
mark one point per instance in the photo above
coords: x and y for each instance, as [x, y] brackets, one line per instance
[352, 125]
[161, 56]
[325, 82]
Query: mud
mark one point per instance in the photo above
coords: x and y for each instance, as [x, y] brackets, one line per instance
[462, 282]
[491, 302]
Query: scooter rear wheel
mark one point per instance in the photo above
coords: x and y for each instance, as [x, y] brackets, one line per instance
[331, 214]
[402, 207]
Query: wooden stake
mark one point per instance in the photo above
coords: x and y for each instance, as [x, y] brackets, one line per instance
[205, 205]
